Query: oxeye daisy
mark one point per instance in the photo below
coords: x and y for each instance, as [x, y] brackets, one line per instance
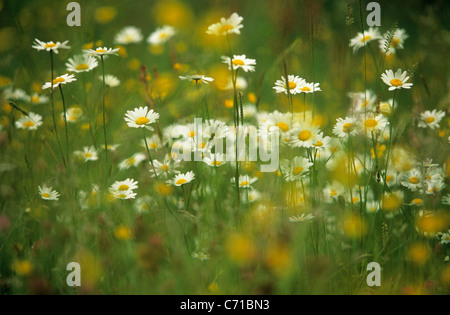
[252, 196]
[431, 119]
[296, 168]
[47, 193]
[301, 218]
[153, 142]
[321, 142]
[333, 191]
[141, 118]
[73, 114]
[446, 200]
[215, 160]
[397, 41]
[197, 78]
[30, 122]
[37, 99]
[123, 195]
[281, 120]
[304, 135]
[165, 168]
[396, 81]
[50, 46]
[411, 180]
[435, 186]
[125, 185]
[386, 108]
[309, 87]
[232, 25]
[240, 62]
[364, 38]
[161, 35]
[346, 127]
[110, 80]
[245, 181]
[102, 51]
[363, 102]
[81, 63]
[128, 35]
[132, 161]
[374, 123]
[64, 79]
[295, 83]
[16, 94]
[182, 179]
[88, 154]
[445, 238]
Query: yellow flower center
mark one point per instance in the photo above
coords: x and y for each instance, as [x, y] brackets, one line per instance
[153, 145]
[318, 143]
[58, 80]
[122, 196]
[192, 134]
[298, 170]
[366, 38]
[245, 183]
[165, 168]
[225, 28]
[45, 195]
[283, 126]
[333, 193]
[50, 45]
[124, 187]
[304, 135]
[306, 89]
[181, 181]
[370, 123]
[142, 121]
[417, 202]
[414, 180]
[238, 62]
[396, 82]
[162, 35]
[355, 199]
[88, 155]
[429, 120]
[217, 163]
[292, 85]
[395, 42]
[348, 127]
[35, 99]
[100, 51]
[82, 66]
[28, 124]
[131, 161]
[389, 178]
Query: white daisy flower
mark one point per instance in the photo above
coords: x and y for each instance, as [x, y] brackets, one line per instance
[253, 195]
[133, 161]
[110, 80]
[302, 218]
[309, 87]
[372, 206]
[283, 121]
[294, 169]
[304, 135]
[73, 114]
[50, 46]
[232, 25]
[88, 154]
[197, 78]
[386, 108]
[215, 160]
[143, 204]
[102, 51]
[445, 238]
[363, 102]
[373, 124]
[161, 36]
[245, 181]
[30, 122]
[240, 62]
[153, 142]
[321, 142]
[81, 63]
[241, 84]
[182, 179]
[346, 127]
[123, 195]
[435, 186]
[249, 111]
[37, 99]
[141, 118]
[125, 185]
[333, 191]
[64, 79]
[396, 81]
[397, 42]
[111, 147]
[411, 180]
[16, 94]
[295, 84]
[200, 256]
[128, 35]
[47, 193]
[166, 168]
[431, 119]
[364, 38]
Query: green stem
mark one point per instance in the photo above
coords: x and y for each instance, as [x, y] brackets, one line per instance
[65, 123]
[104, 115]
